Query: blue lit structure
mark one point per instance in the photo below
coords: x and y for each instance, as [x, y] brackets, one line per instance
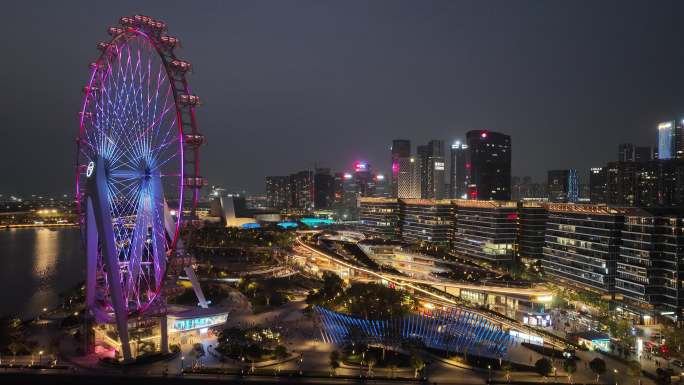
[315, 222]
[248, 226]
[287, 225]
[455, 330]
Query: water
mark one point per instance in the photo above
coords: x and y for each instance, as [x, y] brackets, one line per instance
[36, 265]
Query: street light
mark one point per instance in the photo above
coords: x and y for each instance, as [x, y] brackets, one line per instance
[489, 368]
[182, 363]
[40, 357]
[616, 377]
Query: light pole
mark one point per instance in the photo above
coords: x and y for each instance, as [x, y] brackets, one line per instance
[40, 357]
[616, 376]
[554, 373]
[489, 368]
[182, 364]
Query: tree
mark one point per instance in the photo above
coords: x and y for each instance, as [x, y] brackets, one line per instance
[254, 353]
[280, 352]
[570, 367]
[598, 366]
[334, 361]
[543, 366]
[417, 364]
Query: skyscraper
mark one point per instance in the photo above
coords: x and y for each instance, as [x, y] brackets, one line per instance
[671, 140]
[302, 190]
[643, 154]
[278, 192]
[597, 185]
[432, 169]
[324, 189]
[490, 165]
[401, 153]
[625, 152]
[458, 173]
[563, 186]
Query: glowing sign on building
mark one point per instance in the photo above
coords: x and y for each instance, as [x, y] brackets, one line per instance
[439, 165]
[182, 325]
[360, 166]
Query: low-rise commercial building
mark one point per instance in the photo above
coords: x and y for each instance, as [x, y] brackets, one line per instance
[380, 217]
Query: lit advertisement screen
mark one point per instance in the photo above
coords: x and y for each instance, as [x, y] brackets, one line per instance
[181, 325]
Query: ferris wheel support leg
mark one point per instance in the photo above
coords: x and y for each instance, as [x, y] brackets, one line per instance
[170, 228]
[99, 196]
[91, 254]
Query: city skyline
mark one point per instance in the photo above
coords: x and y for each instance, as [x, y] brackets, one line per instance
[550, 94]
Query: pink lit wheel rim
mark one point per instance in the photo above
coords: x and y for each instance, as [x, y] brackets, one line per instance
[132, 125]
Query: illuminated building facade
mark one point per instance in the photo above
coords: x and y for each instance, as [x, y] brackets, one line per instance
[427, 220]
[458, 173]
[380, 217]
[432, 169]
[582, 246]
[649, 271]
[490, 165]
[656, 183]
[486, 230]
[401, 155]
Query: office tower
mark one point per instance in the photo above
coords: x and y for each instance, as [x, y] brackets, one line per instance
[582, 246]
[656, 183]
[458, 173]
[401, 153]
[563, 186]
[278, 192]
[324, 189]
[302, 190]
[625, 152]
[432, 168]
[408, 181]
[597, 185]
[490, 165]
[642, 154]
[671, 140]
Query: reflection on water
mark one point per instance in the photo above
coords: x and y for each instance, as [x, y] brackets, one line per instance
[38, 265]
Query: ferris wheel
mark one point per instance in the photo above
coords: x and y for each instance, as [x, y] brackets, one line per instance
[137, 171]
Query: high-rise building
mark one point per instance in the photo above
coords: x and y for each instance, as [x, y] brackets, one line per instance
[563, 186]
[278, 193]
[597, 185]
[432, 169]
[458, 172]
[671, 139]
[409, 179]
[625, 152]
[490, 165]
[324, 189]
[380, 217]
[643, 154]
[401, 154]
[302, 190]
[656, 183]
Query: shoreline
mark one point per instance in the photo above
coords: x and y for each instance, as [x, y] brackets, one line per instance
[31, 225]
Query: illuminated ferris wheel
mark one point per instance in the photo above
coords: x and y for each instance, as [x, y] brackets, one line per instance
[137, 172]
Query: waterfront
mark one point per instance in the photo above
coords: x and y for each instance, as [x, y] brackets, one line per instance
[39, 263]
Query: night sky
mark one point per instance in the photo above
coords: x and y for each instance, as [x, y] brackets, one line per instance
[288, 84]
